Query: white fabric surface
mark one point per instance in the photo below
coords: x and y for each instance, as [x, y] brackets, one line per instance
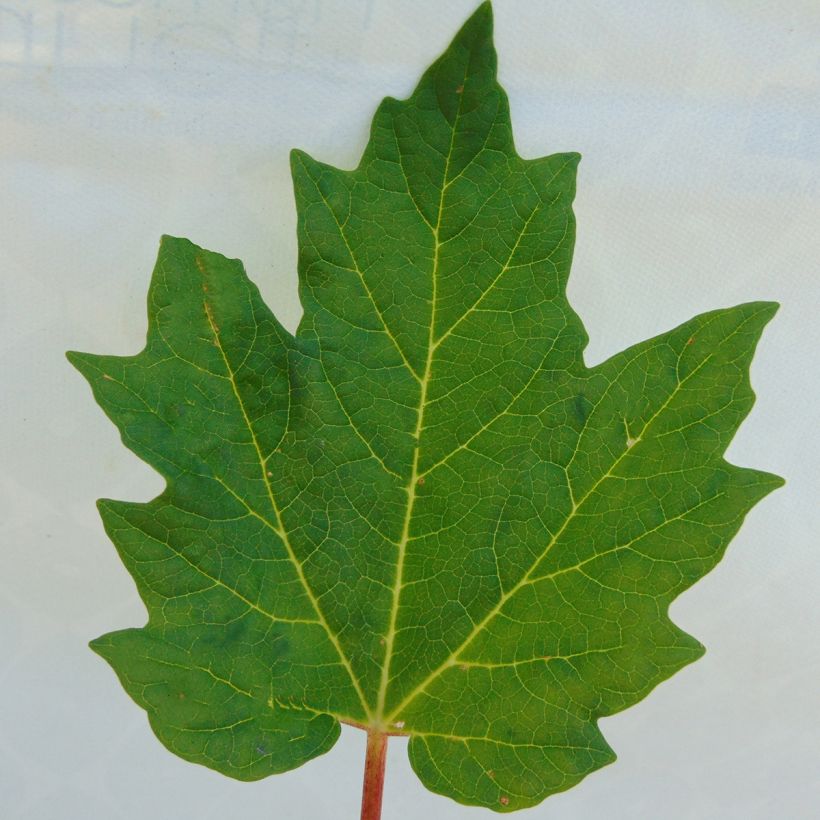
[699, 122]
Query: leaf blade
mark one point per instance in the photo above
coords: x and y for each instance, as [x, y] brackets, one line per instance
[422, 512]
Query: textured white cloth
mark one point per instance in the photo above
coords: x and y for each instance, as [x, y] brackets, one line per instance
[699, 122]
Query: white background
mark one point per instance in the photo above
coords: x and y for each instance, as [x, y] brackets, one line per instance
[699, 122]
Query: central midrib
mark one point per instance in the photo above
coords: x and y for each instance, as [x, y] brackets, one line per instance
[413, 483]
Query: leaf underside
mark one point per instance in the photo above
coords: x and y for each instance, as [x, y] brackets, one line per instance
[422, 513]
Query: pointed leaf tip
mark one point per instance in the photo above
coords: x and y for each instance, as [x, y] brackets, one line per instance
[483, 15]
[476, 28]
[770, 308]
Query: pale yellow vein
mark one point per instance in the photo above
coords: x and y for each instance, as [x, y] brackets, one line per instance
[282, 532]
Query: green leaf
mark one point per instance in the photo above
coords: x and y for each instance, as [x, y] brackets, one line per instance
[422, 513]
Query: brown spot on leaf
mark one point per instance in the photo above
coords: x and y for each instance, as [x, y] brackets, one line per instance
[504, 800]
[420, 482]
[690, 340]
[459, 89]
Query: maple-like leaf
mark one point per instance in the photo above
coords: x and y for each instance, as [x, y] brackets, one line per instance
[422, 513]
